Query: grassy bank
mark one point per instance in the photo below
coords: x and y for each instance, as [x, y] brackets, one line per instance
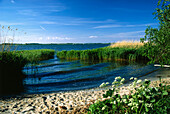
[11, 64]
[106, 53]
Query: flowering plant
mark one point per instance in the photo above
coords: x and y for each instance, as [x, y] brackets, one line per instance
[140, 99]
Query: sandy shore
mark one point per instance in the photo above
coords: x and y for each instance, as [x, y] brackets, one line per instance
[67, 102]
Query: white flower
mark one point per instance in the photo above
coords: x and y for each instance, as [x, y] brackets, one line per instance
[122, 80]
[113, 86]
[131, 78]
[140, 101]
[135, 78]
[131, 99]
[139, 96]
[104, 107]
[102, 85]
[124, 100]
[107, 83]
[114, 102]
[96, 101]
[130, 104]
[114, 82]
[146, 80]
[139, 81]
[118, 78]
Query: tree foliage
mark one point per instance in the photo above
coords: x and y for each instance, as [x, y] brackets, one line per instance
[157, 40]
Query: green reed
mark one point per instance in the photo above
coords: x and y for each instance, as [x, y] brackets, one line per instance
[11, 64]
[105, 53]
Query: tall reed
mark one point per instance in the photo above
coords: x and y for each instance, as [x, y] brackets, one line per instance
[127, 44]
[106, 53]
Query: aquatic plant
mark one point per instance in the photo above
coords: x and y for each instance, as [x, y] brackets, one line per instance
[11, 64]
[36, 55]
[11, 73]
[141, 99]
[105, 53]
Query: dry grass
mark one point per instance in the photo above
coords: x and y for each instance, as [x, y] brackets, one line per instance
[127, 44]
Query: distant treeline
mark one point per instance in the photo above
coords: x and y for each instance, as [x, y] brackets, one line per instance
[53, 43]
[106, 53]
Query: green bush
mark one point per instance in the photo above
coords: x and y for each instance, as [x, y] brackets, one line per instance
[142, 99]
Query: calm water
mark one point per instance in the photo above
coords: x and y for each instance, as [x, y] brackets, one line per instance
[56, 75]
[59, 47]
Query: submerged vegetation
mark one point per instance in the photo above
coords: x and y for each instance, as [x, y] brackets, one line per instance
[115, 52]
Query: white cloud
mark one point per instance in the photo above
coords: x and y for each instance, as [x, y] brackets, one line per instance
[133, 34]
[93, 36]
[116, 25]
[42, 28]
[12, 1]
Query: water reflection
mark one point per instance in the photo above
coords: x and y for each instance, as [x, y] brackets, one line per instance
[62, 75]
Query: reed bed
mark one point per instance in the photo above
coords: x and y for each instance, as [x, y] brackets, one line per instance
[106, 53]
[11, 64]
[36, 55]
[127, 44]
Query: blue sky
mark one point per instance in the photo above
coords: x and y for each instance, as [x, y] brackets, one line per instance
[78, 21]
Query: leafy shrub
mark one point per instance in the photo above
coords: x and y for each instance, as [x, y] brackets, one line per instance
[142, 99]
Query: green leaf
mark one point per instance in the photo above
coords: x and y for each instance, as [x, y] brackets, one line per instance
[146, 108]
[165, 93]
[153, 100]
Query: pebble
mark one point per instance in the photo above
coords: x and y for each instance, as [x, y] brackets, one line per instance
[69, 102]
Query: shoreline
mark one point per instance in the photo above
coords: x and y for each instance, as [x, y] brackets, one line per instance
[76, 101]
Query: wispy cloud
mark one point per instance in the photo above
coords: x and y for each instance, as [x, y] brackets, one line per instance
[42, 28]
[86, 20]
[59, 38]
[133, 34]
[48, 22]
[64, 20]
[117, 25]
[27, 12]
[93, 36]
[10, 23]
[12, 1]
